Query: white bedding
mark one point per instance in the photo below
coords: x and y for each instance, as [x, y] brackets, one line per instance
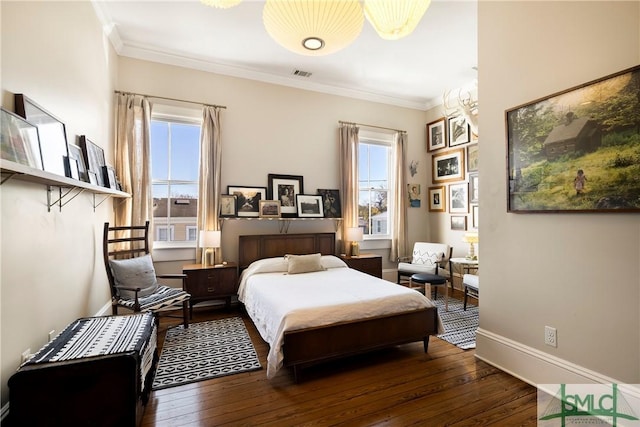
[279, 302]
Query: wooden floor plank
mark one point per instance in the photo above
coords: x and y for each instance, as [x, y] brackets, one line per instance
[401, 386]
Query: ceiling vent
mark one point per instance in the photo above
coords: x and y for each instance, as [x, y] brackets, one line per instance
[301, 73]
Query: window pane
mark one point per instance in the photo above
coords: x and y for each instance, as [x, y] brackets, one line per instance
[159, 150]
[185, 152]
[373, 174]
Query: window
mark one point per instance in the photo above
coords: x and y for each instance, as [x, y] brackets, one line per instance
[374, 184]
[175, 157]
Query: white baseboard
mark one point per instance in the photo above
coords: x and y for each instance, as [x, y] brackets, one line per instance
[531, 365]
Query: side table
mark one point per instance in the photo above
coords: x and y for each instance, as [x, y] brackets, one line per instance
[367, 263]
[466, 264]
[211, 282]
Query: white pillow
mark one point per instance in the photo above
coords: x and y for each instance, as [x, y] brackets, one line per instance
[331, 261]
[134, 273]
[269, 265]
[297, 264]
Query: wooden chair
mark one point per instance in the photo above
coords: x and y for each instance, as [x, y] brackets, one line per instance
[132, 277]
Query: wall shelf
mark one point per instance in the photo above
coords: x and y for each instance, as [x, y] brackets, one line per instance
[283, 223]
[68, 188]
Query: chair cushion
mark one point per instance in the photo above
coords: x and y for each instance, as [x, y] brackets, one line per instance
[472, 281]
[407, 268]
[433, 279]
[134, 273]
[165, 298]
[429, 253]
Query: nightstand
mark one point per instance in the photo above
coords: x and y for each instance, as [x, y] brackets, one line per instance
[367, 263]
[211, 283]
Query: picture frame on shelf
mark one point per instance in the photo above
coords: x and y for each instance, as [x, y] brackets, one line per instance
[473, 187]
[576, 150]
[93, 177]
[285, 188]
[472, 158]
[437, 199]
[93, 157]
[474, 217]
[459, 198]
[71, 168]
[459, 222]
[51, 131]
[436, 135]
[228, 206]
[309, 206]
[269, 208]
[20, 142]
[458, 131]
[109, 177]
[448, 166]
[331, 203]
[75, 153]
[248, 199]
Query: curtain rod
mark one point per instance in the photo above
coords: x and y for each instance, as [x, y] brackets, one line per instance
[371, 126]
[170, 99]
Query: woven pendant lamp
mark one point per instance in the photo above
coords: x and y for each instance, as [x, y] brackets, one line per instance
[221, 4]
[395, 19]
[313, 27]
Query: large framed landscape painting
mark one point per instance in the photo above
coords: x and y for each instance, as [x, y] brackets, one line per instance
[577, 150]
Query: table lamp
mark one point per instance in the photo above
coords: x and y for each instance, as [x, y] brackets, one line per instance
[354, 235]
[471, 238]
[209, 240]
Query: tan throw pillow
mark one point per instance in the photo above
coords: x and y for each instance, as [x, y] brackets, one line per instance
[134, 273]
[304, 263]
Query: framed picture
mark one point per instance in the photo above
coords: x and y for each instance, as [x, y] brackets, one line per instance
[93, 157]
[448, 166]
[459, 198]
[414, 195]
[473, 187]
[93, 177]
[474, 216]
[109, 177]
[228, 206]
[309, 206]
[19, 140]
[437, 199]
[269, 208]
[458, 132]
[472, 158]
[577, 150]
[458, 222]
[331, 203]
[285, 188]
[51, 131]
[75, 154]
[436, 135]
[248, 199]
[71, 168]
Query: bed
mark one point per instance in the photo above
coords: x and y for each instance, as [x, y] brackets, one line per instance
[352, 312]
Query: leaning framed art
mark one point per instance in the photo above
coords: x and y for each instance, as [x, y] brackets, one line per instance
[436, 134]
[248, 199]
[577, 150]
[309, 206]
[19, 140]
[285, 188]
[448, 166]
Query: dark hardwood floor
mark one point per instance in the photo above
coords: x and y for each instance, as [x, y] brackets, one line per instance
[402, 386]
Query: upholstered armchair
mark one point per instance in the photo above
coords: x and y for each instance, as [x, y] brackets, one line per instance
[432, 258]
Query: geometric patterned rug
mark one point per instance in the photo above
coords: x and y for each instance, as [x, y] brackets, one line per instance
[203, 351]
[459, 326]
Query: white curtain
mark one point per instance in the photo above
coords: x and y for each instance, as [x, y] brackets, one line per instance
[133, 160]
[348, 137]
[400, 203]
[210, 174]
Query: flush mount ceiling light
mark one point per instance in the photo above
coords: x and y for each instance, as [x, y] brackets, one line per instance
[222, 4]
[313, 27]
[395, 19]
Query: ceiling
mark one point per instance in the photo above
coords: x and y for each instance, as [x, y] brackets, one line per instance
[413, 72]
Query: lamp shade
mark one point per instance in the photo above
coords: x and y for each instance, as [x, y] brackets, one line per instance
[210, 239]
[313, 27]
[395, 19]
[354, 234]
[221, 4]
[470, 237]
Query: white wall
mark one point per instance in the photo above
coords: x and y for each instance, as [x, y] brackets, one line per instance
[275, 129]
[579, 273]
[51, 266]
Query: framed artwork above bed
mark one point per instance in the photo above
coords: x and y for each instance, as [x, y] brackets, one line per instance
[285, 188]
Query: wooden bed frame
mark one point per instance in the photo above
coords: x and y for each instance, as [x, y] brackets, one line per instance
[306, 347]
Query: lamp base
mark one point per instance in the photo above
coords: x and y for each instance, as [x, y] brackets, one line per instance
[355, 249]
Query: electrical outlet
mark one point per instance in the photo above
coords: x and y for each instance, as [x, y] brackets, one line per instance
[550, 337]
[52, 334]
[26, 355]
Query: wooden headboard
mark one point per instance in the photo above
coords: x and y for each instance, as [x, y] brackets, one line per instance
[255, 247]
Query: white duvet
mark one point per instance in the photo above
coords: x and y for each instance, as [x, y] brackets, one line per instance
[279, 302]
